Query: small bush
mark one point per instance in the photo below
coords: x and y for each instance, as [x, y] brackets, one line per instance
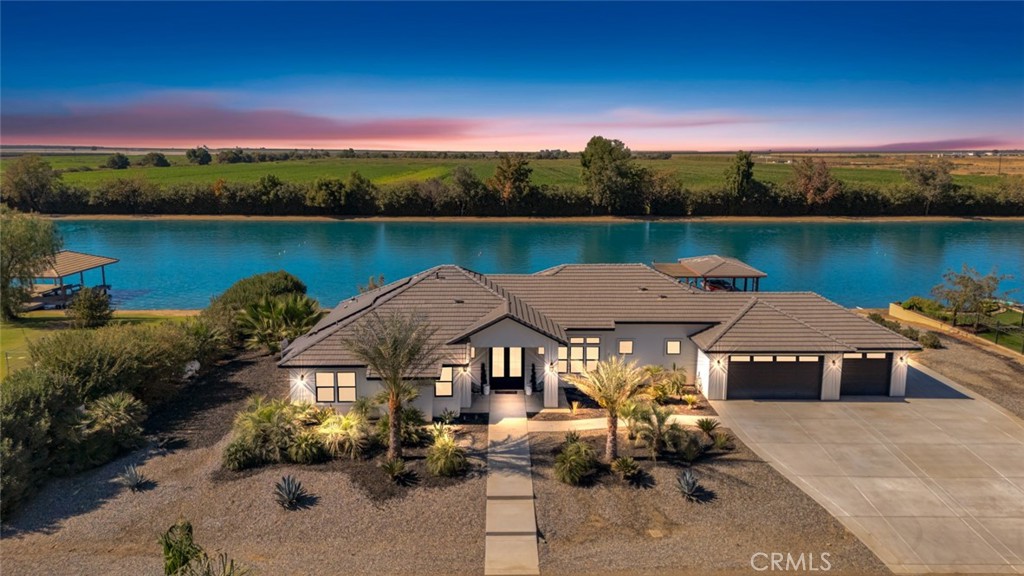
[239, 454]
[911, 333]
[708, 425]
[90, 308]
[179, 548]
[571, 437]
[722, 441]
[289, 493]
[929, 340]
[689, 486]
[395, 469]
[132, 479]
[691, 400]
[926, 306]
[225, 310]
[625, 467]
[265, 430]
[574, 407]
[689, 448]
[411, 423]
[307, 448]
[445, 457]
[344, 436]
[575, 463]
[447, 416]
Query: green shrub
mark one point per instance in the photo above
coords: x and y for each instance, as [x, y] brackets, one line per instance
[571, 437]
[90, 308]
[239, 454]
[689, 447]
[930, 340]
[307, 448]
[344, 435]
[575, 463]
[411, 423]
[146, 360]
[267, 428]
[395, 469]
[926, 306]
[115, 420]
[708, 425]
[664, 383]
[658, 432]
[625, 467]
[445, 457]
[911, 333]
[722, 441]
[224, 310]
[179, 547]
[274, 319]
[205, 340]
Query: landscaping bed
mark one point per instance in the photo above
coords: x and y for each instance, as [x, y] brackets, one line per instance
[588, 408]
[612, 527]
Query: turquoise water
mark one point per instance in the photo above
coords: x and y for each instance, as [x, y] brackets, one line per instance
[181, 264]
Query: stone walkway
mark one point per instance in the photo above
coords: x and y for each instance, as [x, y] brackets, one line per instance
[511, 538]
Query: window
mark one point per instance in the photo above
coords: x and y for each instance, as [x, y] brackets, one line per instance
[335, 387]
[763, 358]
[785, 358]
[808, 358]
[852, 356]
[583, 353]
[673, 347]
[740, 358]
[625, 347]
[443, 387]
[875, 355]
[540, 351]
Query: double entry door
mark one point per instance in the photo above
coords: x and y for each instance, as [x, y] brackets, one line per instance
[506, 369]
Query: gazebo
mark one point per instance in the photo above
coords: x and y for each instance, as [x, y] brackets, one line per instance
[50, 289]
[713, 272]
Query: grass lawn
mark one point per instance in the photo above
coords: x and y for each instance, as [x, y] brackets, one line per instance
[15, 336]
[1014, 341]
[693, 170]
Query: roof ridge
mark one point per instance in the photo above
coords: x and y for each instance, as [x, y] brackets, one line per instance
[723, 328]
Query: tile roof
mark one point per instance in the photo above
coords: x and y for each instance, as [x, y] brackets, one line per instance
[711, 266]
[459, 302]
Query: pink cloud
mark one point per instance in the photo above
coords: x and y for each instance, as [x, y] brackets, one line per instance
[192, 123]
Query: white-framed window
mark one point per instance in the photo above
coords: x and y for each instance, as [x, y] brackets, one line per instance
[852, 356]
[673, 347]
[807, 358]
[583, 354]
[875, 355]
[335, 386]
[563, 359]
[625, 347]
[444, 386]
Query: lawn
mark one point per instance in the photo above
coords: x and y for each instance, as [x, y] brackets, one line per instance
[693, 170]
[16, 336]
[1013, 341]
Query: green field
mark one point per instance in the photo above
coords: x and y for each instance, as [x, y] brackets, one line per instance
[1013, 341]
[693, 171]
[16, 336]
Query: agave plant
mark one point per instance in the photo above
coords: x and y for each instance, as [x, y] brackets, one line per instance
[708, 425]
[691, 400]
[289, 493]
[689, 486]
[132, 478]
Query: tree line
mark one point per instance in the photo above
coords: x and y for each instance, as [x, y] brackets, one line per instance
[612, 183]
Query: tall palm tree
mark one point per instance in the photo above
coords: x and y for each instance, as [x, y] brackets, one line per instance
[612, 383]
[397, 347]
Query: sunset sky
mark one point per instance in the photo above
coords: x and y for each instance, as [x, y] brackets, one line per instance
[509, 76]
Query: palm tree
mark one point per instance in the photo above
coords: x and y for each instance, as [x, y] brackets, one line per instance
[612, 384]
[397, 347]
[658, 432]
[274, 319]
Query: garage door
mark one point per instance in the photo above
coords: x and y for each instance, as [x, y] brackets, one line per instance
[866, 374]
[774, 377]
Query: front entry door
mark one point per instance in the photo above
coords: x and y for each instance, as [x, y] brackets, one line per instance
[506, 368]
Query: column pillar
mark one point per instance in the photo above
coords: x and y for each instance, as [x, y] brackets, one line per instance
[551, 375]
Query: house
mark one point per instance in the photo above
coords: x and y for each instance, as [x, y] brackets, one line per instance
[518, 331]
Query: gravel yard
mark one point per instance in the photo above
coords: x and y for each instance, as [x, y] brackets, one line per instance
[994, 376]
[88, 524]
[612, 528]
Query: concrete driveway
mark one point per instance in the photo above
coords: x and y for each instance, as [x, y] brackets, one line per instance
[931, 483]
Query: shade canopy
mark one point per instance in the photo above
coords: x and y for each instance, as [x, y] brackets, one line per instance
[712, 266]
[67, 262]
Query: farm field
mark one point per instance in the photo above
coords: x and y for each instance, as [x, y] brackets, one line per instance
[692, 170]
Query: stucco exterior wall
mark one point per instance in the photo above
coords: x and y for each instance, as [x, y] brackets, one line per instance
[898, 379]
[832, 377]
[713, 370]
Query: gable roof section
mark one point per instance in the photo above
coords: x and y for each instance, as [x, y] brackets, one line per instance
[712, 266]
[761, 327]
[67, 262]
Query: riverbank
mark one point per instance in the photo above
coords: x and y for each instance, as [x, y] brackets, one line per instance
[533, 219]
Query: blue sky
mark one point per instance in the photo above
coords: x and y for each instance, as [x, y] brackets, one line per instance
[514, 76]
